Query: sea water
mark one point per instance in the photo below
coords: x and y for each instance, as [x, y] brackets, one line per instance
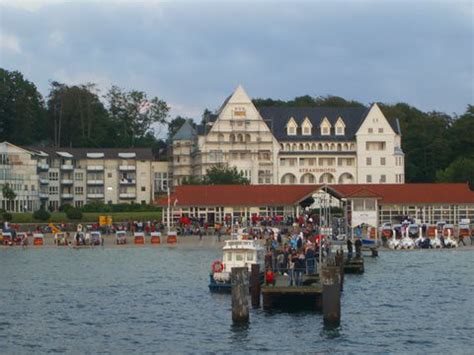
[121, 300]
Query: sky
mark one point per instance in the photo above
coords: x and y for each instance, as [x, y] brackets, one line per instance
[193, 54]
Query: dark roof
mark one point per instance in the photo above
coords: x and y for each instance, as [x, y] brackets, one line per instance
[109, 153]
[185, 132]
[278, 117]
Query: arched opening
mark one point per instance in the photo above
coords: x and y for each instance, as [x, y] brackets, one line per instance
[307, 179]
[352, 147]
[346, 178]
[288, 146]
[326, 178]
[313, 146]
[320, 146]
[301, 146]
[293, 147]
[326, 146]
[247, 137]
[339, 147]
[333, 147]
[306, 146]
[240, 138]
[346, 146]
[288, 179]
[232, 137]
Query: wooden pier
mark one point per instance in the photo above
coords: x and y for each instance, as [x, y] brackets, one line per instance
[283, 296]
[354, 266]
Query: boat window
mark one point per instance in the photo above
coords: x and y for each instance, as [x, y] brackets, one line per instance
[229, 257]
[249, 256]
[239, 257]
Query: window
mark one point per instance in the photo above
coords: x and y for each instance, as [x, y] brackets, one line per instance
[53, 176]
[369, 161]
[239, 112]
[382, 161]
[292, 162]
[306, 130]
[383, 178]
[26, 187]
[53, 190]
[33, 188]
[325, 131]
[78, 204]
[340, 130]
[78, 176]
[371, 130]
[143, 188]
[109, 175]
[381, 130]
[375, 146]
[368, 178]
[79, 190]
[291, 130]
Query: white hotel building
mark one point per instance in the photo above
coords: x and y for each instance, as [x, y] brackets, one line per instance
[292, 145]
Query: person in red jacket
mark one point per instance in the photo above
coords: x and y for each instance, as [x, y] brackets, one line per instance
[269, 277]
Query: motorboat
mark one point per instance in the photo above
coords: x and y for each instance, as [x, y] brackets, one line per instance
[449, 241]
[21, 238]
[414, 230]
[394, 243]
[440, 226]
[435, 242]
[155, 238]
[139, 238]
[60, 239]
[38, 239]
[422, 241]
[7, 238]
[121, 237]
[238, 252]
[406, 242]
[464, 230]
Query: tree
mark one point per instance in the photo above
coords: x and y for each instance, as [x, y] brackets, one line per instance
[461, 134]
[192, 180]
[77, 117]
[309, 101]
[8, 194]
[224, 175]
[22, 112]
[460, 170]
[134, 114]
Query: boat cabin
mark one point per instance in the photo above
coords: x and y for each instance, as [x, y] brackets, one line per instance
[242, 253]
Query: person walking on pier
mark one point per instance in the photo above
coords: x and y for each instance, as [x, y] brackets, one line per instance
[350, 249]
[291, 268]
[299, 268]
[358, 247]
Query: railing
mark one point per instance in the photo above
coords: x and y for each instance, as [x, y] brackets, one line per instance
[67, 167]
[67, 181]
[127, 181]
[44, 181]
[95, 182]
[95, 195]
[67, 196]
[43, 166]
[95, 168]
[127, 168]
[127, 195]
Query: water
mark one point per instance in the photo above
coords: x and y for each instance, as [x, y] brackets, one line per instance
[121, 300]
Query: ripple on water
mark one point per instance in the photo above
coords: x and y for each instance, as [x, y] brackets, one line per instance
[157, 300]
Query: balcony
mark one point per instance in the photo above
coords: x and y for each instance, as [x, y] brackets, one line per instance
[127, 195]
[95, 168]
[44, 181]
[95, 196]
[127, 181]
[43, 195]
[127, 168]
[43, 166]
[95, 182]
[67, 167]
[67, 181]
[67, 196]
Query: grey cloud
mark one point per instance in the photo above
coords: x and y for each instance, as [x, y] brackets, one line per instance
[194, 54]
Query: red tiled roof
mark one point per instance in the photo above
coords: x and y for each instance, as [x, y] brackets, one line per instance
[281, 195]
[239, 195]
[412, 193]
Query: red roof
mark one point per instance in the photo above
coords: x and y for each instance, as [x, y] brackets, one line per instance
[411, 193]
[239, 195]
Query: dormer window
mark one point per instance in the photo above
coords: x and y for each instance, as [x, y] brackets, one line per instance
[291, 127]
[340, 127]
[239, 112]
[325, 127]
[306, 127]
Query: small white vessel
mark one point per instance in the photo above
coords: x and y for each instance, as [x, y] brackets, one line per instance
[407, 242]
[394, 243]
[236, 253]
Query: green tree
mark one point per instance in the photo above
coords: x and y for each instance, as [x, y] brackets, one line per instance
[22, 112]
[192, 180]
[8, 193]
[133, 114]
[461, 134]
[460, 170]
[224, 175]
[77, 117]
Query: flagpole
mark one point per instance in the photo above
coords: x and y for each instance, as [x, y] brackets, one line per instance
[169, 209]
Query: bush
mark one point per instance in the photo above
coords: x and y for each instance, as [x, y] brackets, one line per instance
[66, 207]
[7, 216]
[41, 215]
[74, 213]
[120, 207]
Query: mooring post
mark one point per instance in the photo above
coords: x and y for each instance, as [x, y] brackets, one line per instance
[375, 252]
[255, 285]
[340, 263]
[239, 281]
[331, 295]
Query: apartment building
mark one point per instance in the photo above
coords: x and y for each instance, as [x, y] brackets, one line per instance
[292, 145]
[53, 177]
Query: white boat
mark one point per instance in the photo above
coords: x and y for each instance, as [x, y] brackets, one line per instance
[449, 242]
[236, 253]
[407, 242]
[436, 242]
[394, 243]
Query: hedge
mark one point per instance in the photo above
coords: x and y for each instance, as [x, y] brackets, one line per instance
[90, 217]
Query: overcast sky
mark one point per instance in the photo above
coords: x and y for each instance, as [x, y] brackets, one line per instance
[193, 54]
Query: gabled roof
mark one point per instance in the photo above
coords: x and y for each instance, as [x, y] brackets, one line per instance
[239, 195]
[185, 132]
[279, 116]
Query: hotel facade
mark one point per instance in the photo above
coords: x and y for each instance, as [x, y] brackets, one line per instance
[292, 145]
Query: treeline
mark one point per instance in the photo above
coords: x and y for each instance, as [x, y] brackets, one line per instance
[77, 115]
[437, 146]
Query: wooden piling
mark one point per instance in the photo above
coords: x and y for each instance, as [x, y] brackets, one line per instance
[239, 281]
[340, 263]
[255, 285]
[331, 295]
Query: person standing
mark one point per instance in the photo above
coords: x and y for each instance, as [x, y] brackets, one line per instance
[291, 269]
[358, 247]
[350, 249]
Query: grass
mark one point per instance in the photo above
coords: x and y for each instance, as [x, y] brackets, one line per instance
[90, 217]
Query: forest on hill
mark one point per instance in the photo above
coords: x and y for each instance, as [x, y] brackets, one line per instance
[438, 146]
